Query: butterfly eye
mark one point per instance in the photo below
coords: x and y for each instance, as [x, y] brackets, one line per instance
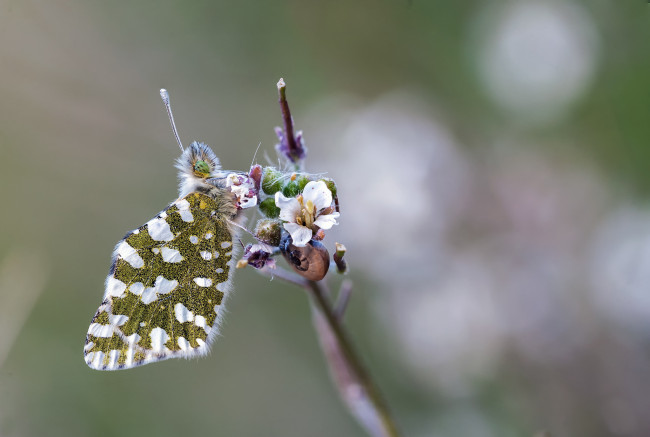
[202, 168]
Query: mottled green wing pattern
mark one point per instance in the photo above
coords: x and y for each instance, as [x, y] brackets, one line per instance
[165, 287]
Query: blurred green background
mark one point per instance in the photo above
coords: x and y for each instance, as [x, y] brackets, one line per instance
[492, 162]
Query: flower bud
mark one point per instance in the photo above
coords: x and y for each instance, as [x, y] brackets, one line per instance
[268, 208]
[271, 180]
[302, 180]
[269, 231]
[255, 174]
[341, 264]
[291, 189]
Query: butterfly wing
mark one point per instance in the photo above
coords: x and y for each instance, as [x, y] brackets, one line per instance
[165, 288]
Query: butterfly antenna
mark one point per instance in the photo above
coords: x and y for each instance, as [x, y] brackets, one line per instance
[243, 228]
[255, 155]
[164, 95]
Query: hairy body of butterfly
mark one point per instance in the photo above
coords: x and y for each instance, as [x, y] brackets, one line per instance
[170, 277]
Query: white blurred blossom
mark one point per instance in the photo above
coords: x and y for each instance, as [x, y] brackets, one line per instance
[535, 58]
[492, 259]
[620, 268]
[405, 180]
[449, 330]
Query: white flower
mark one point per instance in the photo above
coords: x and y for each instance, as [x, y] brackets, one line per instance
[244, 188]
[310, 211]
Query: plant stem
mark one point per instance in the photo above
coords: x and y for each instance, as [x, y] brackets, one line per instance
[356, 388]
[345, 291]
[355, 385]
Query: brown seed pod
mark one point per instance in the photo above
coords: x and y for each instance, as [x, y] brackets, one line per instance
[311, 261]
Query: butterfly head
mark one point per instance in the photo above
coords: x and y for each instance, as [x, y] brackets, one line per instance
[196, 164]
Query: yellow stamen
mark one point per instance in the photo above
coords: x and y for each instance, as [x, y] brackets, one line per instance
[309, 213]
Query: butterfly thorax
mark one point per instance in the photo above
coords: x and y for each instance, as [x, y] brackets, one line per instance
[224, 199]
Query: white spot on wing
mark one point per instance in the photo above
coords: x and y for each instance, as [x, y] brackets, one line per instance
[118, 320]
[97, 359]
[164, 286]
[129, 254]
[158, 339]
[132, 339]
[184, 344]
[148, 295]
[130, 353]
[208, 235]
[226, 244]
[114, 287]
[113, 356]
[161, 286]
[136, 288]
[171, 255]
[201, 322]
[203, 282]
[182, 313]
[194, 239]
[184, 210]
[104, 331]
[159, 230]
[206, 255]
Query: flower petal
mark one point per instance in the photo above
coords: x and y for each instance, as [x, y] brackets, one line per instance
[318, 193]
[233, 179]
[326, 221]
[289, 207]
[244, 189]
[299, 234]
[261, 247]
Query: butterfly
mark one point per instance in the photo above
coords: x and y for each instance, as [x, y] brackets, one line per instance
[170, 277]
